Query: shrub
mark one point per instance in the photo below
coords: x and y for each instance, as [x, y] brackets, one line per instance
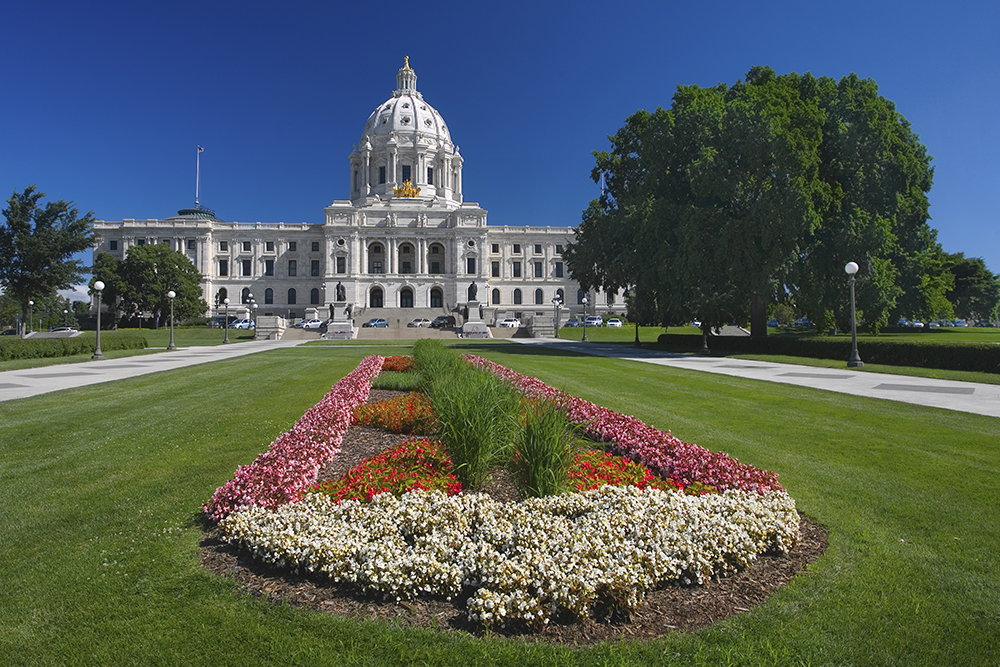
[39, 348]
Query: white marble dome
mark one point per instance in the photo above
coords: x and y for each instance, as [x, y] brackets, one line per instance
[406, 115]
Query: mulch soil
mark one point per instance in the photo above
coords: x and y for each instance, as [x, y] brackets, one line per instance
[672, 608]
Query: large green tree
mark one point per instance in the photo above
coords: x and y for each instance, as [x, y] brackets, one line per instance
[744, 195]
[37, 244]
[107, 269]
[148, 273]
[975, 293]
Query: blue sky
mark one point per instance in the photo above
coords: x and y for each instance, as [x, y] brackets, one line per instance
[105, 102]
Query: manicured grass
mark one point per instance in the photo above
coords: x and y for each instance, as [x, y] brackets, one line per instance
[102, 488]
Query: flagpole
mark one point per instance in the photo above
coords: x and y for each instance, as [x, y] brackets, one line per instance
[197, 175]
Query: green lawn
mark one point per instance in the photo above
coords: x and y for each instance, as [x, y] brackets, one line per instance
[102, 488]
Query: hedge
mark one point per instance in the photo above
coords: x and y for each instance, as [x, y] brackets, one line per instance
[977, 357]
[17, 348]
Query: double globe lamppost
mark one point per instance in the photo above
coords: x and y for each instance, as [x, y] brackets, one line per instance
[855, 361]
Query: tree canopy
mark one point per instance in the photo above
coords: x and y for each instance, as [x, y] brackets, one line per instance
[37, 245]
[141, 281]
[756, 193]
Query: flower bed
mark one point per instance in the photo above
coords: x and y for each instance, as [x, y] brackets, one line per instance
[523, 562]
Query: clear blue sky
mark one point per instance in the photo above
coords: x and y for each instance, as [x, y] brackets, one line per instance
[104, 103]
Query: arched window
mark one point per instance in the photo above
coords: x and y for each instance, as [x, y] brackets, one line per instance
[406, 298]
[245, 295]
[517, 297]
[223, 294]
[314, 296]
[291, 297]
[611, 298]
[579, 296]
[495, 297]
[375, 297]
[539, 296]
[437, 298]
[561, 295]
[268, 296]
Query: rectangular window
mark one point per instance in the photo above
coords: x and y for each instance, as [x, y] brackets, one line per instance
[538, 248]
[223, 267]
[471, 264]
[292, 268]
[247, 267]
[517, 269]
[430, 175]
[517, 248]
[190, 244]
[404, 267]
[381, 175]
[291, 246]
[315, 246]
[314, 268]
[376, 267]
[114, 245]
[268, 246]
[247, 246]
[341, 265]
[165, 242]
[538, 269]
[406, 173]
[223, 246]
[268, 267]
[495, 248]
[559, 270]
[435, 267]
[559, 248]
[495, 269]
[141, 242]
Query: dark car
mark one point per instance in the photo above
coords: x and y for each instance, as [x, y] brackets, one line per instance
[443, 322]
[8, 332]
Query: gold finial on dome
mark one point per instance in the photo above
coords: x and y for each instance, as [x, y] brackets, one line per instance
[406, 191]
[406, 62]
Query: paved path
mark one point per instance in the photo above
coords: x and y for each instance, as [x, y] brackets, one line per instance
[983, 399]
[971, 397]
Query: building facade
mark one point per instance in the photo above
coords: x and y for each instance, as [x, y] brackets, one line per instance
[405, 240]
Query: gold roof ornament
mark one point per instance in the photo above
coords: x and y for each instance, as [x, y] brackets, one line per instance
[406, 62]
[406, 191]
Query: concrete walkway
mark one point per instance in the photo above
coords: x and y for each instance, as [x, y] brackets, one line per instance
[983, 399]
[971, 397]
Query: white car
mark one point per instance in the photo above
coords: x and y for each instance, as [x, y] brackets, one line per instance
[595, 321]
[242, 324]
[510, 322]
[614, 322]
[419, 322]
[312, 324]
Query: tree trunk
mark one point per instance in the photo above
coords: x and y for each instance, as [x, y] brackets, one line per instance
[758, 316]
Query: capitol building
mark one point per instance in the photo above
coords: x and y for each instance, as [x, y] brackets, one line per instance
[404, 244]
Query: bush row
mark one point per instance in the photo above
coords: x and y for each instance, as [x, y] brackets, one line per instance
[17, 348]
[978, 357]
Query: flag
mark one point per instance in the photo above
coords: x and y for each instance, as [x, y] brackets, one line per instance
[200, 149]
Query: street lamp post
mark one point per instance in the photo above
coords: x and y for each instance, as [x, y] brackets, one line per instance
[171, 294]
[226, 323]
[585, 301]
[253, 319]
[31, 316]
[556, 302]
[98, 355]
[855, 361]
[636, 308]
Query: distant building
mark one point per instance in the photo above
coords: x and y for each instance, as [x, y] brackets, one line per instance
[406, 238]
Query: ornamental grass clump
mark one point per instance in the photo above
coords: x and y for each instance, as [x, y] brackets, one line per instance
[434, 360]
[546, 448]
[479, 421]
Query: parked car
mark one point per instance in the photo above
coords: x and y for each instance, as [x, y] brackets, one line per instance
[64, 330]
[376, 323]
[614, 322]
[8, 332]
[572, 322]
[961, 323]
[243, 324]
[773, 322]
[595, 321]
[443, 322]
[510, 323]
[312, 324]
[419, 322]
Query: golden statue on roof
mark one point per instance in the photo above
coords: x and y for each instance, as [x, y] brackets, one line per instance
[406, 191]
[406, 62]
